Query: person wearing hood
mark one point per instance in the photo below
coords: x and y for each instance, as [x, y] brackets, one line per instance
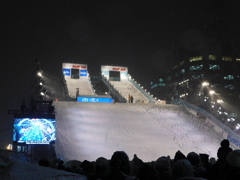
[224, 150]
[183, 170]
[218, 169]
[163, 167]
[119, 167]
[100, 169]
[194, 159]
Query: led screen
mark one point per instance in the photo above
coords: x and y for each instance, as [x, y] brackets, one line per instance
[34, 130]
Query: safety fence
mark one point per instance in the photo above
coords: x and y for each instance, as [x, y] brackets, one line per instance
[216, 124]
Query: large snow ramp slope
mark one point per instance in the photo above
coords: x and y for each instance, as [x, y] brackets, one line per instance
[126, 87]
[86, 131]
[83, 84]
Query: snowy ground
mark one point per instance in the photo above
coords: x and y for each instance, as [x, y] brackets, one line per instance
[86, 131]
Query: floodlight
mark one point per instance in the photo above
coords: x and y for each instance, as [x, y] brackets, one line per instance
[205, 84]
[212, 92]
[39, 73]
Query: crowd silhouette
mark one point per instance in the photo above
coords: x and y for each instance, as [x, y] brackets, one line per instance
[192, 166]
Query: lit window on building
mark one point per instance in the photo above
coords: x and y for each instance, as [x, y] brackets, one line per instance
[198, 58]
[229, 86]
[162, 84]
[232, 115]
[238, 59]
[229, 77]
[212, 57]
[155, 85]
[214, 67]
[196, 68]
[226, 58]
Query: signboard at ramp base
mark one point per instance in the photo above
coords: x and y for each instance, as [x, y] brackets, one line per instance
[95, 99]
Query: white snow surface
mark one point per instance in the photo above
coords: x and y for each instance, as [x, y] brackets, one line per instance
[125, 87]
[20, 170]
[82, 83]
[86, 131]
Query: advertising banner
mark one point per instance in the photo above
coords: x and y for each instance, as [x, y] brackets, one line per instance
[66, 72]
[83, 72]
[234, 140]
[74, 66]
[95, 99]
[114, 68]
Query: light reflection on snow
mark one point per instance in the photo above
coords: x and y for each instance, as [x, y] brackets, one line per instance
[86, 131]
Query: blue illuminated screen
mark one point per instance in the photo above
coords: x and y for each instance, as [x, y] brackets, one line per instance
[34, 130]
[83, 72]
[94, 99]
[66, 72]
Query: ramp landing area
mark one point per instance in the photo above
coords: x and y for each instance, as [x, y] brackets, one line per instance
[87, 131]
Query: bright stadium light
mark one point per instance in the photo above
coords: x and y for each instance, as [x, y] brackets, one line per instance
[9, 147]
[205, 84]
[220, 101]
[212, 92]
[39, 73]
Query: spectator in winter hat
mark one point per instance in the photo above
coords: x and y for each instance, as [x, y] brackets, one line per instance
[194, 159]
[101, 168]
[88, 167]
[182, 168]
[147, 172]
[233, 158]
[233, 165]
[120, 161]
[163, 167]
[223, 150]
[119, 167]
[179, 155]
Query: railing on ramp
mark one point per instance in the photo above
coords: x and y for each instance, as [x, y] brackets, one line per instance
[115, 93]
[231, 135]
[144, 92]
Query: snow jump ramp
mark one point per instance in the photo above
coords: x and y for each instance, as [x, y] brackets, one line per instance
[86, 131]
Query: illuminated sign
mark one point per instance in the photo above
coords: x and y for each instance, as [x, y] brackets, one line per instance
[79, 66]
[118, 69]
[83, 72]
[66, 72]
[95, 99]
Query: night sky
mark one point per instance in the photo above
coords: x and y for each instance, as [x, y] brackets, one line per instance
[106, 32]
